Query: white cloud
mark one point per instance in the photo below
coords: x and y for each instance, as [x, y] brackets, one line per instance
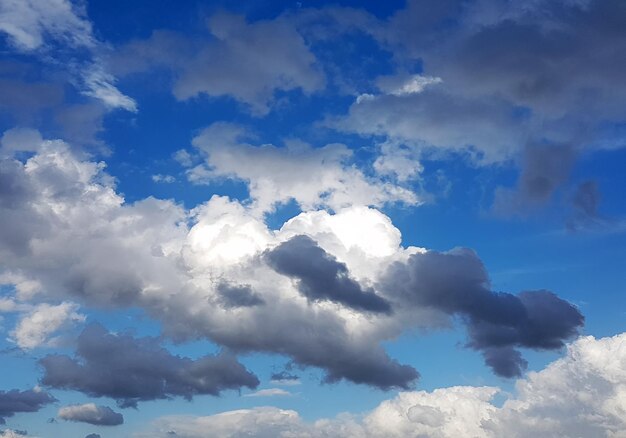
[30, 22]
[100, 85]
[401, 85]
[160, 178]
[313, 177]
[20, 140]
[579, 395]
[92, 414]
[35, 328]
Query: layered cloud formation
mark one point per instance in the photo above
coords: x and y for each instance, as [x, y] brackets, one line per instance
[581, 394]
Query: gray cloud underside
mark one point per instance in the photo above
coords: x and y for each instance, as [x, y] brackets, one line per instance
[321, 277]
[131, 370]
[15, 401]
[456, 283]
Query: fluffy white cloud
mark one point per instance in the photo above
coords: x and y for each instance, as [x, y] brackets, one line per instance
[92, 414]
[313, 177]
[35, 328]
[579, 395]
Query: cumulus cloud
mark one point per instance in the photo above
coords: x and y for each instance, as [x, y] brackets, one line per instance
[38, 27]
[328, 298]
[313, 177]
[581, 394]
[35, 327]
[92, 414]
[131, 370]
[15, 401]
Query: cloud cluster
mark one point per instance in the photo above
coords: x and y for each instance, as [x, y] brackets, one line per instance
[315, 290]
[92, 414]
[15, 401]
[131, 370]
[531, 83]
[581, 394]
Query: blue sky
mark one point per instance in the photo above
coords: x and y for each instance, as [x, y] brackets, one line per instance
[312, 219]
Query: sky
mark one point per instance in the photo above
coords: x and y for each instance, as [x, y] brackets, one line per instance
[312, 219]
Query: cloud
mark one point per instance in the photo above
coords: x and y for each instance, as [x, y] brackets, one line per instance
[581, 394]
[456, 283]
[544, 168]
[15, 401]
[313, 177]
[93, 435]
[206, 273]
[285, 378]
[269, 392]
[238, 296]
[321, 277]
[13, 433]
[92, 414]
[39, 27]
[585, 204]
[242, 72]
[131, 370]
[35, 327]
[159, 178]
[534, 84]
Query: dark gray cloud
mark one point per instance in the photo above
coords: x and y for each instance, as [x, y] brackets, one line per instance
[232, 296]
[321, 277]
[15, 401]
[284, 375]
[93, 435]
[92, 414]
[131, 370]
[456, 283]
